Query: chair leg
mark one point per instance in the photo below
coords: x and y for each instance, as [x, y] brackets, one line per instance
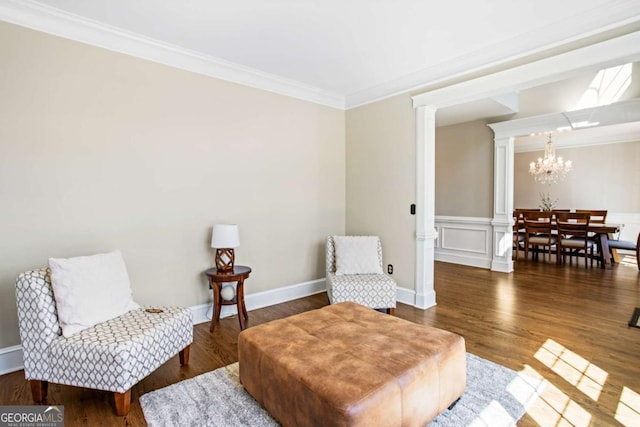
[585, 258]
[123, 402]
[184, 355]
[391, 311]
[39, 390]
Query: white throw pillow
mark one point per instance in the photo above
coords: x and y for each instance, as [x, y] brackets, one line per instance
[357, 255]
[89, 290]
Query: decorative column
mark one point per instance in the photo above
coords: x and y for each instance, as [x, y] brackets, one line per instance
[502, 221]
[425, 204]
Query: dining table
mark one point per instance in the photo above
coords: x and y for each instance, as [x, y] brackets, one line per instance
[601, 233]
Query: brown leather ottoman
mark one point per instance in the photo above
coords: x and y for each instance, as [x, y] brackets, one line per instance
[348, 365]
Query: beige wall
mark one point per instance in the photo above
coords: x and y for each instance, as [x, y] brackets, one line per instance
[603, 177]
[102, 151]
[464, 170]
[381, 180]
[381, 169]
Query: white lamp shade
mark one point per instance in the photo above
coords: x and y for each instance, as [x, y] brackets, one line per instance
[225, 236]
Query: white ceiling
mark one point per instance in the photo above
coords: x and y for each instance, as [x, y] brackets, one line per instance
[353, 50]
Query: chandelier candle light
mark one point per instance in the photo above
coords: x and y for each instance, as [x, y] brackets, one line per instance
[224, 239]
[549, 169]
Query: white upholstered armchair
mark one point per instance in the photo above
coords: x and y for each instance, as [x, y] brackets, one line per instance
[354, 273]
[113, 355]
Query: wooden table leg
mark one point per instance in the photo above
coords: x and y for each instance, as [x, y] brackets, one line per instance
[242, 310]
[605, 255]
[215, 316]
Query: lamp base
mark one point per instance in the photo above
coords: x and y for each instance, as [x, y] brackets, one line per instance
[224, 259]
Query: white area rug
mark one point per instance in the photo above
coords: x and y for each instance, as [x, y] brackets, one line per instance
[495, 396]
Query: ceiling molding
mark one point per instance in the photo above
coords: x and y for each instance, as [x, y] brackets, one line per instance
[583, 138]
[621, 13]
[40, 17]
[54, 21]
[605, 115]
[563, 66]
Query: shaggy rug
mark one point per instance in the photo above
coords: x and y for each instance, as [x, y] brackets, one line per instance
[495, 396]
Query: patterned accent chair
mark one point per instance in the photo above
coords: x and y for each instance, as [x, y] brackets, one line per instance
[112, 356]
[377, 291]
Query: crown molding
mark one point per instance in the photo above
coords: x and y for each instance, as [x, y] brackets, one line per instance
[34, 15]
[612, 114]
[582, 138]
[621, 13]
[57, 22]
[611, 52]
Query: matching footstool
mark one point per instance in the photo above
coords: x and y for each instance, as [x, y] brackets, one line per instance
[348, 365]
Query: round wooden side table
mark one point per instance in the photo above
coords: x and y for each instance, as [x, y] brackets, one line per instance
[216, 278]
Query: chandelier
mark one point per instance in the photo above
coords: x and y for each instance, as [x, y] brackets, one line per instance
[551, 168]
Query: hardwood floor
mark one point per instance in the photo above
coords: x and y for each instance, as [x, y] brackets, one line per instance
[565, 325]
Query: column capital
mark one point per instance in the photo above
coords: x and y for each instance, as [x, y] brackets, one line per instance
[426, 108]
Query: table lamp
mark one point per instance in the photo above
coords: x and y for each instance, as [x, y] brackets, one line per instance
[224, 239]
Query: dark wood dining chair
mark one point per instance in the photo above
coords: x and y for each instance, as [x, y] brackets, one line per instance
[518, 230]
[538, 233]
[597, 216]
[573, 236]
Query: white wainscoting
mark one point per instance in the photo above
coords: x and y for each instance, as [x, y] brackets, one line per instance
[468, 241]
[464, 240]
[631, 223]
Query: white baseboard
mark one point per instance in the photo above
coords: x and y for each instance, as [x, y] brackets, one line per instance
[463, 259]
[11, 357]
[425, 301]
[202, 313]
[406, 296]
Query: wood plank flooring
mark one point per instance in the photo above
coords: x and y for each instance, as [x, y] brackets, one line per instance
[567, 325]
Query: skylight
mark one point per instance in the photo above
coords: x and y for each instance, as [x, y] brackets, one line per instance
[606, 87]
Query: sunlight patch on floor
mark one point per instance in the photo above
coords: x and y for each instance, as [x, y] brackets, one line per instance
[628, 260]
[628, 411]
[576, 370]
[553, 407]
[525, 388]
[493, 415]
[507, 301]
